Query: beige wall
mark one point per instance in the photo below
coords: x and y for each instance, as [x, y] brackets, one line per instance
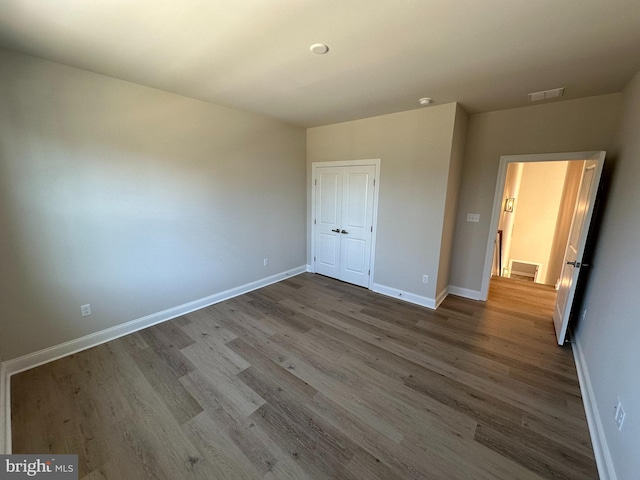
[565, 217]
[451, 203]
[415, 149]
[133, 200]
[537, 213]
[567, 126]
[609, 334]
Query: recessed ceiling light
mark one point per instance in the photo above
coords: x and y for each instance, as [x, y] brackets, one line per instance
[319, 48]
[425, 101]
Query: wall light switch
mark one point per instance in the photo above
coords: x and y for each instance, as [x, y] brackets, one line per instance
[473, 217]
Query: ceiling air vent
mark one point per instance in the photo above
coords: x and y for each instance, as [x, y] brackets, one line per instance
[546, 94]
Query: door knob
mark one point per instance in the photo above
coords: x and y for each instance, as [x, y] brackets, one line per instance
[575, 264]
[345, 232]
[337, 230]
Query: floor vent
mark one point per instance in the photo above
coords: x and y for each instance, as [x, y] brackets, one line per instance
[524, 270]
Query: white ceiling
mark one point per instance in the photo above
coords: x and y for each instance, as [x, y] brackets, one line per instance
[384, 54]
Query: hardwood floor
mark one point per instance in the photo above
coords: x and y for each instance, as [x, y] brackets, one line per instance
[314, 378]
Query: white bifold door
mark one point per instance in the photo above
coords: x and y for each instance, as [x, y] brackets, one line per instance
[343, 227]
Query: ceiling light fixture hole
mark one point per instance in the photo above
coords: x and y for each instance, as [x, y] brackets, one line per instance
[319, 48]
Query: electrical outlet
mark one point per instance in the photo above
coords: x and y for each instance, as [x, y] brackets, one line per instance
[473, 217]
[266, 262]
[619, 414]
[85, 310]
[425, 278]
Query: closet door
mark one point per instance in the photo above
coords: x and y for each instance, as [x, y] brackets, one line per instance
[344, 222]
[328, 220]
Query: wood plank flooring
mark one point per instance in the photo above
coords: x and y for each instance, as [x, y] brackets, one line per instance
[312, 378]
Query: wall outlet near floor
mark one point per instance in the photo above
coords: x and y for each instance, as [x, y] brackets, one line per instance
[425, 278]
[473, 217]
[619, 414]
[85, 310]
[266, 262]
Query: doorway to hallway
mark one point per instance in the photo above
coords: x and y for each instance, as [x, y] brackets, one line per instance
[572, 261]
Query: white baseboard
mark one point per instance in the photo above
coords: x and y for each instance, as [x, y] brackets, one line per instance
[465, 292]
[406, 296]
[5, 412]
[441, 296]
[26, 362]
[601, 451]
[310, 268]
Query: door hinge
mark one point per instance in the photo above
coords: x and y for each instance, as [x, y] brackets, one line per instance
[372, 229]
[314, 259]
[369, 272]
[314, 221]
[374, 182]
[315, 182]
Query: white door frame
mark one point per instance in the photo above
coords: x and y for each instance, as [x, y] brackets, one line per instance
[346, 163]
[505, 160]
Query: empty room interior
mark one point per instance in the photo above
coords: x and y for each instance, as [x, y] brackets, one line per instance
[286, 239]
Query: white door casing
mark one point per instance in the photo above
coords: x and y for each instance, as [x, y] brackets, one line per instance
[573, 260]
[344, 214]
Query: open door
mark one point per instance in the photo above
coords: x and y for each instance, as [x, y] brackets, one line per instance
[498, 205]
[573, 260]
